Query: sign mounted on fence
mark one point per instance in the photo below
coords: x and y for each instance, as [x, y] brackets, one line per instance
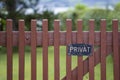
[80, 49]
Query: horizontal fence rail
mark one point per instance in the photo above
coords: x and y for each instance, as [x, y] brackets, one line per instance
[62, 38]
[108, 42]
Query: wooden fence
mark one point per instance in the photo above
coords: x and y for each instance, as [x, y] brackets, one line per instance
[109, 42]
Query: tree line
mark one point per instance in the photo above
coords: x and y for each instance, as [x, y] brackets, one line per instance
[10, 9]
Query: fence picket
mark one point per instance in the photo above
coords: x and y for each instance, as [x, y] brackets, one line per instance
[80, 58]
[9, 49]
[21, 49]
[103, 49]
[91, 41]
[33, 49]
[56, 50]
[115, 49]
[45, 49]
[68, 41]
[109, 42]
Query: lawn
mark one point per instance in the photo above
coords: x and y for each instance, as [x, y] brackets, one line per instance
[51, 64]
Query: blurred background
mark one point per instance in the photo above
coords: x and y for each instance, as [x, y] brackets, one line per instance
[58, 9]
[55, 9]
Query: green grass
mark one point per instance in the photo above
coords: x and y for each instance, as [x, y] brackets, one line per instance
[51, 64]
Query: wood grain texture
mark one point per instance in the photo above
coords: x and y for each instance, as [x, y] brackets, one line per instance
[68, 41]
[33, 49]
[9, 45]
[21, 49]
[115, 49]
[91, 42]
[103, 49]
[109, 41]
[45, 49]
[86, 62]
[56, 50]
[80, 58]
[62, 39]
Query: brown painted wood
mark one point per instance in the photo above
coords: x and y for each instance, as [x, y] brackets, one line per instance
[103, 49]
[80, 58]
[74, 39]
[45, 49]
[115, 49]
[51, 40]
[33, 49]
[9, 49]
[91, 42]
[21, 49]
[56, 50]
[86, 62]
[68, 41]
